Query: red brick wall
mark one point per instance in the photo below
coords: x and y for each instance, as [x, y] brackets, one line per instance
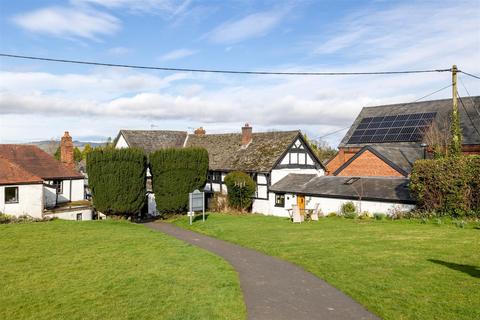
[368, 164]
[340, 158]
[66, 150]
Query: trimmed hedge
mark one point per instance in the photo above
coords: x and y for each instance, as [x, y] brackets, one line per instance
[117, 179]
[175, 173]
[450, 186]
[241, 188]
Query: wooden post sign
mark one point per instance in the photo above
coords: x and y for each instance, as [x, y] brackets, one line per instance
[196, 203]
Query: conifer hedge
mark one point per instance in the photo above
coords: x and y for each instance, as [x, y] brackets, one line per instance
[117, 179]
[175, 173]
[241, 189]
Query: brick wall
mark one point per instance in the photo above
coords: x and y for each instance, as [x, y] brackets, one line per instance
[368, 164]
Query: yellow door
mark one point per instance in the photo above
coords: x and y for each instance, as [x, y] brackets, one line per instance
[301, 203]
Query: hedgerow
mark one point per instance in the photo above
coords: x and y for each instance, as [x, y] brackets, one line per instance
[175, 173]
[117, 179]
[449, 186]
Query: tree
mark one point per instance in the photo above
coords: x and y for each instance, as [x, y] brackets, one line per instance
[322, 149]
[117, 178]
[176, 173]
[437, 138]
[241, 189]
[86, 150]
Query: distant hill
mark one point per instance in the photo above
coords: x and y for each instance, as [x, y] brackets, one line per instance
[51, 146]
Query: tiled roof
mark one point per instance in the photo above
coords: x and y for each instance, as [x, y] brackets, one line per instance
[151, 140]
[369, 188]
[226, 153]
[11, 173]
[469, 118]
[36, 161]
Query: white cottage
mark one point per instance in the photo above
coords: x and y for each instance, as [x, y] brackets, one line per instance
[266, 156]
[34, 183]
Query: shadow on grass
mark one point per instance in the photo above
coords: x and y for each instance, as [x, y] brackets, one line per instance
[198, 217]
[465, 268]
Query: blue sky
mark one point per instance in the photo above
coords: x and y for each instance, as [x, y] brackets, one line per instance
[39, 100]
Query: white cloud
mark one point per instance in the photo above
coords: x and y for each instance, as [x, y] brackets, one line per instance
[252, 26]
[410, 38]
[172, 7]
[177, 54]
[69, 22]
[119, 51]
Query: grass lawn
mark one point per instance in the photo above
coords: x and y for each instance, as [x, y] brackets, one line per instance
[397, 269]
[110, 270]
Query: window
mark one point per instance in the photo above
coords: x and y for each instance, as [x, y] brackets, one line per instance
[79, 217]
[214, 176]
[58, 185]
[279, 200]
[11, 194]
[351, 180]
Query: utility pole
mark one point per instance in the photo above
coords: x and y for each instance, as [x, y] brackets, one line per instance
[455, 130]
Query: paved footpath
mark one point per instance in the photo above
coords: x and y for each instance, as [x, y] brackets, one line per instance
[273, 288]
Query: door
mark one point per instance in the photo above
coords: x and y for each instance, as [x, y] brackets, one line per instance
[301, 203]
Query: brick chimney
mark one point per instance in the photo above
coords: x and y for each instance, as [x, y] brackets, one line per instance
[66, 151]
[246, 135]
[200, 132]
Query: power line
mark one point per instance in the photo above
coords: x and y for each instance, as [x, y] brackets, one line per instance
[222, 71]
[469, 74]
[468, 93]
[466, 112]
[425, 96]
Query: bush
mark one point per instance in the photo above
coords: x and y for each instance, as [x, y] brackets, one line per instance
[176, 173]
[117, 179]
[348, 207]
[449, 186]
[379, 216]
[332, 214]
[241, 189]
[6, 219]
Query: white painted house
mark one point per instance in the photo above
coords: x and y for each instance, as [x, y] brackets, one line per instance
[266, 156]
[34, 183]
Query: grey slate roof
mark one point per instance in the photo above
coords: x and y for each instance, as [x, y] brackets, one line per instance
[469, 118]
[225, 151]
[151, 140]
[374, 188]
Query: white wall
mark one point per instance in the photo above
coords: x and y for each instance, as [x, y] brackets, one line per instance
[30, 201]
[327, 205]
[121, 143]
[71, 214]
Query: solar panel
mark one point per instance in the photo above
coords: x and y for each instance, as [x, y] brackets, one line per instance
[399, 128]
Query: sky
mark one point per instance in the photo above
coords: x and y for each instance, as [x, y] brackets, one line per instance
[40, 100]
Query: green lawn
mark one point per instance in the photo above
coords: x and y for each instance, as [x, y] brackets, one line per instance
[110, 270]
[397, 269]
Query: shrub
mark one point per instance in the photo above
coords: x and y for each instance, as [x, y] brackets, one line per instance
[117, 179]
[379, 216]
[241, 188]
[449, 186]
[348, 207]
[176, 173]
[332, 214]
[364, 215]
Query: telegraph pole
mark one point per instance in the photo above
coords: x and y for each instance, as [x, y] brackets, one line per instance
[455, 129]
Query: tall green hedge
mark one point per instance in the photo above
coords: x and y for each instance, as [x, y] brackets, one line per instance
[117, 179]
[175, 173]
[450, 185]
[241, 188]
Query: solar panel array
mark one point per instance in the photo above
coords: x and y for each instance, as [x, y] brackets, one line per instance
[399, 128]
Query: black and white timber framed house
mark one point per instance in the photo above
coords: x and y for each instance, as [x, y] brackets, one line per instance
[266, 156]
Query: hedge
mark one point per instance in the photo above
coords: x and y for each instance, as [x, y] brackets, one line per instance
[241, 189]
[450, 186]
[175, 173]
[117, 179]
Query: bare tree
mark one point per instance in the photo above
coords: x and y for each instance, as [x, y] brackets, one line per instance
[437, 137]
[51, 146]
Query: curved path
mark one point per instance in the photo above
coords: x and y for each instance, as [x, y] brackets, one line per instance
[273, 288]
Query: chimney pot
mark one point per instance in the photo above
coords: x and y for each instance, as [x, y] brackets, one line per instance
[246, 135]
[200, 132]
[66, 151]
